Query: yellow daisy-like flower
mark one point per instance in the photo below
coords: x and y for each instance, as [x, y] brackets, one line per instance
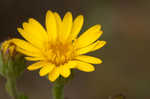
[57, 49]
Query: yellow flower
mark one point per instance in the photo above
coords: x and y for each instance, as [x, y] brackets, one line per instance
[8, 47]
[58, 49]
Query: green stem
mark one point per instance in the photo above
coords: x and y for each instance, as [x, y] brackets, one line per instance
[11, 87]
[58, 90]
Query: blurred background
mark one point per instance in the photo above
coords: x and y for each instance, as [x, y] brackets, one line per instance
[125, 69]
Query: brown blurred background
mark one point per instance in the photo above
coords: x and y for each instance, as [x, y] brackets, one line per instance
[126, 67]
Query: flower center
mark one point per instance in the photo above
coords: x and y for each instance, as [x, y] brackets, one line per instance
[59, 53]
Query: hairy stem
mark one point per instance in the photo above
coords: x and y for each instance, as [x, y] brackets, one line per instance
[11, 87]
[58, 90]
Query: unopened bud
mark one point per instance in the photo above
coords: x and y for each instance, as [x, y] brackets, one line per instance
[8, 48]
[11, 62]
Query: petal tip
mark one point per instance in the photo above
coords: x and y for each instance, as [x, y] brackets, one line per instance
[41, 74]
[49, 12]
[68, 14]
[99, 26]
[29, 68]
[19, 29]
[100, 62]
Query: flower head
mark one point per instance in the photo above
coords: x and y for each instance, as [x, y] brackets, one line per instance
[58, 49]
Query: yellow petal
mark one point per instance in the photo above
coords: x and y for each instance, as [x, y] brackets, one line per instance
[33, 29]
[25, 45]
[99, 45]
[89, 59]
[85, 67]
[77, 25]
[59, 22]
[37, 28]
[65, 71]
[90, 48]
[35, 66]
[51, 25]
[28, 53]
[66, 26]
[89, 36]
[54, 74]
[28, 37]
[34, 58]
[46, 69]
[26, 48]
[71, 64]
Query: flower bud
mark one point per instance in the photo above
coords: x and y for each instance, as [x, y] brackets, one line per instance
[8, 47]
[11, 62]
